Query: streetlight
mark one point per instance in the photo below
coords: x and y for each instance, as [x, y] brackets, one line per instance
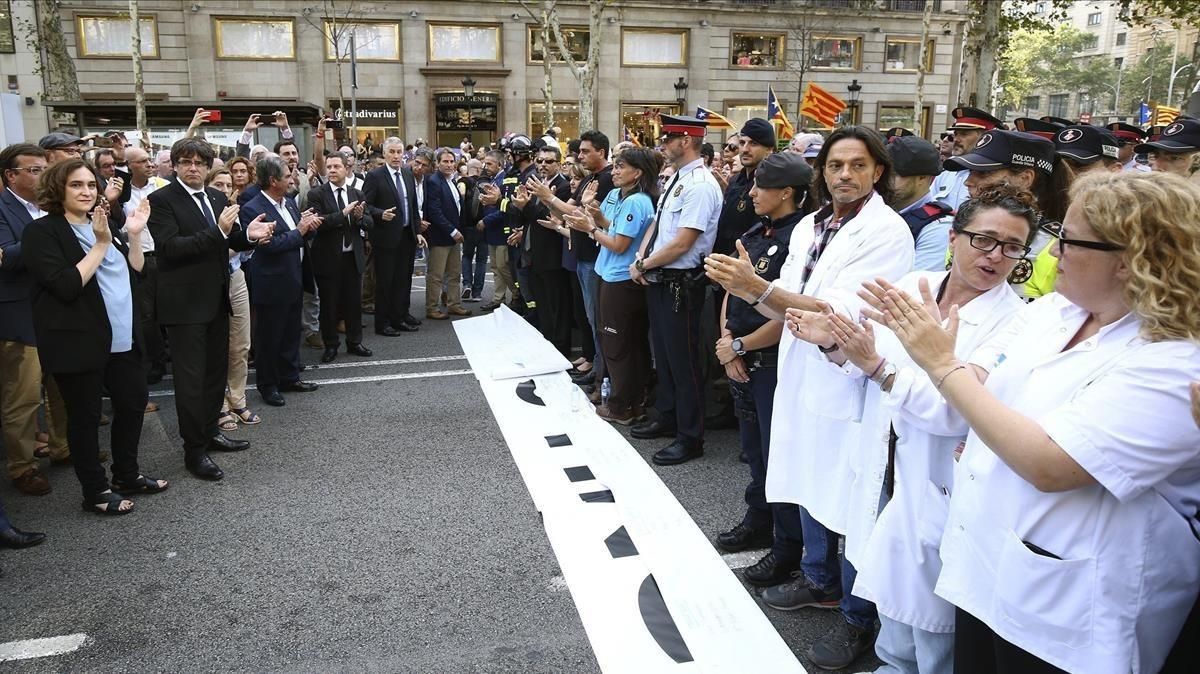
[681, 88]
[469, 93]
[1171, 84]
[853, 88]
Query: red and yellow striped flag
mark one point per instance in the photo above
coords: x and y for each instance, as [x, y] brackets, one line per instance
[821, 105]
[1164, 115]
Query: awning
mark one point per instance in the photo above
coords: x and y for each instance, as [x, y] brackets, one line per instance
[120, 112]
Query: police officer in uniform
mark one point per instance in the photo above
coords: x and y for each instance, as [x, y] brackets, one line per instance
[670, 263]
[969, 126]
[737, 217]
[1038, 127]
[915, 162]
[749, 351]
[1128, 136]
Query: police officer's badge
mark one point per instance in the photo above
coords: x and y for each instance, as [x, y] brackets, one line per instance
[678, 191]
[741, 205]
[763, 264]
[629, 217]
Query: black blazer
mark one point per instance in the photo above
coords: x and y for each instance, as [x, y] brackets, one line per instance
[379, 189]
[545, 246]
[69, 317]
[326, 246]
[192, 257]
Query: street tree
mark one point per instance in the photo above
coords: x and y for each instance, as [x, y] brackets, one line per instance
[56, 65]
[335, 22]
[1048, 60]
[1149, 78]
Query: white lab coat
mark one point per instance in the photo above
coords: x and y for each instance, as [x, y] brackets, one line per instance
[818, 405]
[1126, 564]
[897, 557]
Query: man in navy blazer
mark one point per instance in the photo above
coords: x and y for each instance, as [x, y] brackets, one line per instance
[280, 274]
[20, 167]
[443, 210]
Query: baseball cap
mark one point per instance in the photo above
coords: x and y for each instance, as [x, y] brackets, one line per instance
[783, 169]
[1182, 135]
[813, 150]
[999, 149]
[913, 156]
[58, 139]
[1086, 143]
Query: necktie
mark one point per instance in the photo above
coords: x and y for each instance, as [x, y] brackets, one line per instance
[662, 201]
[212, 222]
[346, 229]
[401, 197]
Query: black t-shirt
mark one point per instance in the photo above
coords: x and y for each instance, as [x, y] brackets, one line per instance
[585, 249]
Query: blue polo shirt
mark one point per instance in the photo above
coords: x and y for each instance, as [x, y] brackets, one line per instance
[629, 217]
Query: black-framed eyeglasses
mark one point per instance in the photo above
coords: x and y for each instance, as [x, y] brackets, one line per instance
[985, 243]
[1057, 230]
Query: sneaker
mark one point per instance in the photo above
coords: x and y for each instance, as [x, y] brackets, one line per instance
[801, 593]
[466, 294]
[844, 644]
[606, 413]
[490, 306]
[744, 537]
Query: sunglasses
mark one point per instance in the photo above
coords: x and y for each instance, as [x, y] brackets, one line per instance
[546, 161]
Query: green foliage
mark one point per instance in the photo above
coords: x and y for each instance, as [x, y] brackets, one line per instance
[1039, 59]
[1179, 13]
[1150, 77]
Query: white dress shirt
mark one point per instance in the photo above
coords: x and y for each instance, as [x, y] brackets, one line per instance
[34, 211]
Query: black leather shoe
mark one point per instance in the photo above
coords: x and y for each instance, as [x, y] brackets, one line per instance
[329, 355]
[298, 386]
[388, 332]
[408, 327]
[768, 572]
[204, 468]
[680, 451]
[15, 538]
[272, 398]
[743, 537]
[220, 443]
[588, 377]
[653, 429]
[359, 350]
[411, 320]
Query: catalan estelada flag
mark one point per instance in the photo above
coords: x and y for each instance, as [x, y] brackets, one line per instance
[714, 120]
[783, 127]
[1164, 115]
[821, 105]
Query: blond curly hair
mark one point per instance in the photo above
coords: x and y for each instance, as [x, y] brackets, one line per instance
[1156, 218]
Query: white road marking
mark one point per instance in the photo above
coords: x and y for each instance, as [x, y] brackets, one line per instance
[359, 380]
[42, 648]
[740, 560]
[557, 584]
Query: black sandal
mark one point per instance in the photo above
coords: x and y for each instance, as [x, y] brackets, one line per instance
[107, 504]
[140, 485]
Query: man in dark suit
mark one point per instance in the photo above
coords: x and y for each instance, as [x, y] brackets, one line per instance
[443, 210]
[338, 260]
[551, 283]
[392, 204]
[20, 167]
[279, 274]
[194, 229]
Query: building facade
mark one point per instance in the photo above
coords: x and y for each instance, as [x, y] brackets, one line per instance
[240, 57]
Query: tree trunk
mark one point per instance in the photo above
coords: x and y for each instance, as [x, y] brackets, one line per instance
[62, 82]
[139, 89]
[587, 79]
[547, 70]
[919, 106]
[985, 30]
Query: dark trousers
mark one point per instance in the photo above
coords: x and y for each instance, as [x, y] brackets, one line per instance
[277, 345]
[552, 290]
[623, 326]
[125, 381]
[200, 363]
[528, 292]
[152, 341]
[718, 401]
[341, 295]
[675, 336]
[977, 649]
[474, 260]
[393, 283]
[587, 340]
[754, 404]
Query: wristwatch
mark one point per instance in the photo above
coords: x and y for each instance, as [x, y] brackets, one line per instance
[737, 346]
[888, 370]
[640, 265]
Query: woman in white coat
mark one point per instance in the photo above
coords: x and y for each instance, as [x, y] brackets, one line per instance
[907, 447]
[1071, 542]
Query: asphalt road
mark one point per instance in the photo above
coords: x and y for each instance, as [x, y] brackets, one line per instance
[377, 524]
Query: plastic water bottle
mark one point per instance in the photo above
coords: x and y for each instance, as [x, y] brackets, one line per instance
[605, 388]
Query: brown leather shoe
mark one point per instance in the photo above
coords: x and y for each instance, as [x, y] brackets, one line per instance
[151, 407]
[606, 413]
[32, 482]
[437, 315]
[459, 311]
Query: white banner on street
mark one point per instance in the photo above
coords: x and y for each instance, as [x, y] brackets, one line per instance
[652, 593]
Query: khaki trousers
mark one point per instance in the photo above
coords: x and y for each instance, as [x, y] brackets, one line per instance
[239, 343]
[20, 395]
[502, 280]
[443, 268]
